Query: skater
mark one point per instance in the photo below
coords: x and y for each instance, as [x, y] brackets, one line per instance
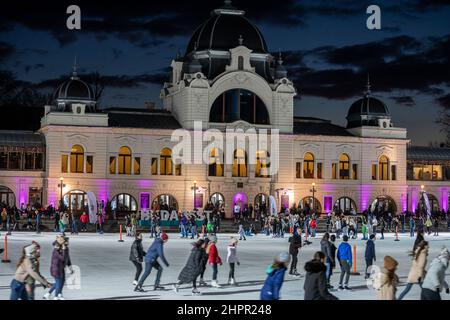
[315, 285]
[333, 260]
[38, 222]
[137, 255]
[194, 232]
[344, 256]
[338, 227]
[232, 260]
[153, 253]
[275, 278]
[295, 243]
[84, 219]
[241, 232]
[417, 272]
[204, 261]
[60, 259]
[386, 281]
[428, 224]
[364, 229]
[100, 221]
[418, 240]
[369, 254]
[411, 226]
[436, 226]
[214, 260]
[27, 267]
[434, 281]
[192, 269]
[74, 224]
[382, 227]
[325, 248]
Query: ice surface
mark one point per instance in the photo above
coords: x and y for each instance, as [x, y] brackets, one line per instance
[106, 272]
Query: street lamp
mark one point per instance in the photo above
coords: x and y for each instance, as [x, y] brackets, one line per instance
[61, 185]
[313, 190]
[194, 188]
[422, 187]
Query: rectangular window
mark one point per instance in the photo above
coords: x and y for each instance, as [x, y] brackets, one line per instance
[29, 161]
[374, 172]
[112, 165]
[178, 169]
[39, 161]
[319, 170]
[64, 159]
[3, 160]
[298, 170]
[89, 164]
[394, 172]
[355, 171]
[154, 166]
[334, 171]
[137, 165]
[15, 160]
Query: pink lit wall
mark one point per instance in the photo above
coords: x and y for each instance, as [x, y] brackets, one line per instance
[242, 197]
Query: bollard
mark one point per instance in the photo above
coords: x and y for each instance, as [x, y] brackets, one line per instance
[396, 234]
[5, 258]
[354, 262]
[120, 230]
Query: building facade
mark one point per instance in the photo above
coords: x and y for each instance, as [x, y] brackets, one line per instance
[227, 80]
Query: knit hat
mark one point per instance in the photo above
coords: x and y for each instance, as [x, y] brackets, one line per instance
[164, 236]
[30, 249]
[213, 239]
[390, 263]
[444, 255]
[232, 241]
[283, 257]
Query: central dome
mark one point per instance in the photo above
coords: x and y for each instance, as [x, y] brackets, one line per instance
[223, 30]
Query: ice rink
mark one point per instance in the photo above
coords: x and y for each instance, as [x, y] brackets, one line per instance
[106, 272]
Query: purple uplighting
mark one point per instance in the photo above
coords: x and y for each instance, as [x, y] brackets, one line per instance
[240, 198]
[328, 203]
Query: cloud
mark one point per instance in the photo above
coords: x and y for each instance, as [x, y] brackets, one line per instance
[444, 101]
[6, 51]
[407, 101]
[30, 67]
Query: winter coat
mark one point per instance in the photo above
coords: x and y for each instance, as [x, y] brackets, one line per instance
[26, 270]
[369, 254]
[418, 267]
[435, 278]
[156, 251]
[137, 252]
[213, 254]
[231, 255]
[315, 285]
[419, 239]
[333, 254]
[272, 285]
[205, 257]
[84, 218]
[385, 291]
[193, 266]
[325, 247]
[344, 252]
[295, 243]
[58, 263]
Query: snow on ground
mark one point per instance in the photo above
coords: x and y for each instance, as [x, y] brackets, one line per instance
[106, 272]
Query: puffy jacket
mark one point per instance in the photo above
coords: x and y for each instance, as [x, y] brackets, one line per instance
[155, 251]
[345, 252]
[385, 290]
[272, 285]
[213, 255]
[84, 218]
[295, 243]
[369, 254]
[418, 266]
[316, 282]
[435, 278]
[58, 263]
[137, 251]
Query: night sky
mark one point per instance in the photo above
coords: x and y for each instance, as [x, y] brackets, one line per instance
[326, 46]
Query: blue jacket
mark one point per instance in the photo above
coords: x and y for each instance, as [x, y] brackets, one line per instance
[273, 283]
[370, 250]
[345, 252]
[155, 251]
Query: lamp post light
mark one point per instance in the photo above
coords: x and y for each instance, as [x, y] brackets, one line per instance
[194, 188]
[61, 185]
[313, 190]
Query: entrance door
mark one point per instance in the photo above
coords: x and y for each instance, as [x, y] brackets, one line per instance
[76, 201]
[7, 196]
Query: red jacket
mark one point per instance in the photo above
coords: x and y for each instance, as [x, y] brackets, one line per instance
[214, 255]
[84, 218]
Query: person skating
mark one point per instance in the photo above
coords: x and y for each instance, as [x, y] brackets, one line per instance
[412, 224]
[204, 262]
[27, 268]
[213, 259]
[232, 260]
[333, 250]
[417, 272]
[275, 277]
[60, 259]
[192, 269]
[295, 243]
[241, 231]
[369, 253]
[84, 219]
[386, 280]
[418, 240]
[436, 226]
[315, 285]
[434, 281]
[325, 247]
[382, 227]
[153, 253]
[344, 256]
[364, 229]
[428, 225]
[137, 255]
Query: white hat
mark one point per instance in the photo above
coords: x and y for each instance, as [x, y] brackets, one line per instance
[29, 250]
[284, 257]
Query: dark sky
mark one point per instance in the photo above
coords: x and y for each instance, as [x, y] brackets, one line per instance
[327, 50]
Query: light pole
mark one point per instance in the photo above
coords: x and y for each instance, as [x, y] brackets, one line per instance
[313, 190]
[194, 188]
[61, 185]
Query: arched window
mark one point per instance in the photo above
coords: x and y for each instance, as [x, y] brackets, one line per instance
[215, 168]
[239, 104]
[344, 166]
[123, 204]
[165, 162]
[239, 163]
[432, 200]
[124, 160]
[308, 165]
[217, 200]
[7, 196]
[383, 167]
[307, 204]
[77, 159]
[383, 204]
[76, 201]
[262, 168]
[165, 202]
[344, 205]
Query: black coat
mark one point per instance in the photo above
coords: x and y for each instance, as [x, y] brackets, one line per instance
[316, 282]
[137, 252]
[193, 266]
[333, 254]
[369, 254]
[325, 247]
[295, 243]
[419, 239]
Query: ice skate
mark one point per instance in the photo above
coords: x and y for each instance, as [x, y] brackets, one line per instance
[175, 287]
[158, 287]
[215, 284]
[233, 282]
[139, 289]
[202, 283]
[47, 296]
[134, 283]
[196, 292]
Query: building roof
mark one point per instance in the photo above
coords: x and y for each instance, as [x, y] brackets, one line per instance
[142, 119]
[14, 140]
[417, 153]
[318, 127]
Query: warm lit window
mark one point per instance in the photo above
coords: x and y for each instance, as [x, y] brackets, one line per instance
[319, 170]
[64, 159]
[89, 164]
[137, 166]
[154, 166]
[298, 170]
[165, 162]
[334, 171]
[77, 159]
[344, 166]
[383, 165]
[262, 164]
[239, 163]
[124, 160]
[427, 172]
[178, 169]
[308, 166]
[354, 171]
[112, 165]
[215, 167]
[374, 172]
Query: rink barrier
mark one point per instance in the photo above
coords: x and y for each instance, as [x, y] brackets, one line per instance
[120, 231]
[5, 257]
[354, 262]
